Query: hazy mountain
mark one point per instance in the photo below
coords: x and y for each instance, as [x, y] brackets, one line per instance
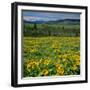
[73, 21]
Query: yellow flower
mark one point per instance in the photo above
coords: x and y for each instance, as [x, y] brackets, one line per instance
[65, 56]
[60, 71]
[77, 62]
[55, 46]
[77, 57]
[74, 67]
[31, 64]
[58, 66]
[33, 50]
[64, 59]
[45, 72]
[47, 61]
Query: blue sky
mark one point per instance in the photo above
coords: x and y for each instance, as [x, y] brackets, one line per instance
[48, 16]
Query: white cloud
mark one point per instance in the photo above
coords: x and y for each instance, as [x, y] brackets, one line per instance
[33, 18]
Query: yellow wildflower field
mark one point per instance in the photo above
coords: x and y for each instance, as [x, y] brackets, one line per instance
[51, 56]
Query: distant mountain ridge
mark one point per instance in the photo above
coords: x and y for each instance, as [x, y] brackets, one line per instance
[54, 21]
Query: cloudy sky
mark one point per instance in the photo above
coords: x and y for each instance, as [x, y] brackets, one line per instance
[48, 16]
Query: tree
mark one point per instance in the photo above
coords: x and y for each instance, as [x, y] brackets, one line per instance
[35, 26]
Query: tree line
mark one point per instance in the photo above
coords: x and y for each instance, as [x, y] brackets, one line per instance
[35, 30]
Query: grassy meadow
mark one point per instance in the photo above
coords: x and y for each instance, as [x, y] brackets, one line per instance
[51, 49]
